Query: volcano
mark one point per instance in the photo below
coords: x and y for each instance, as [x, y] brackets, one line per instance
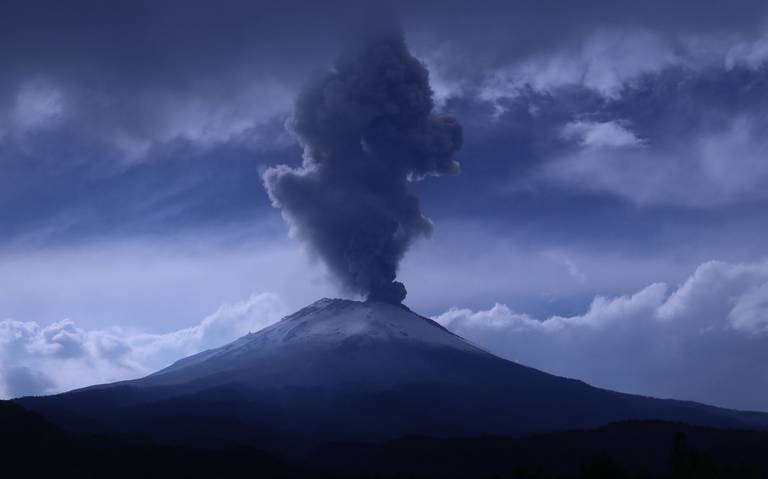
[342, 370]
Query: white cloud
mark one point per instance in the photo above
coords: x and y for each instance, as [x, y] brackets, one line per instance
[562, 258]
[717, 159]
[750, 312]
[708, 169]
[607, 134]
[706, 340]
[153, 282]
[752, 53]
[241, 113]
[229, 322]
[604, 62]
[608, 61]
[36, 104]
[46, 359]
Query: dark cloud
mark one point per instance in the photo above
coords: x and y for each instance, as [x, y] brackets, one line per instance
[143, 72]
[125, 118]
[368, 129]
[144, 117]
[59, 187]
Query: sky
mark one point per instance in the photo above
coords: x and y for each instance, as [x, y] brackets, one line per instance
[607, 222]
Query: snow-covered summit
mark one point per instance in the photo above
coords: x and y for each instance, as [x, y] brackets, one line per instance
[338, 320]
[364, 331]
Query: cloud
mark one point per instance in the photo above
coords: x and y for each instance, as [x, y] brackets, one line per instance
[606, 134]
[38, 359]
[229, 322]
[705, 340]
[171, 119]
[678, 138]
[750, 313]
[36, 104]
[145, 73]
[604, 61]
[692, 96]
[713, 167]
[21, 380]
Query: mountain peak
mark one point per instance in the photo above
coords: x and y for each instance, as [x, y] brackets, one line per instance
[340, 303]
[337, 320]
[363, 331]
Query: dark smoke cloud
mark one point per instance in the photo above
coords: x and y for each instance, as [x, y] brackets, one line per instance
[367, 128]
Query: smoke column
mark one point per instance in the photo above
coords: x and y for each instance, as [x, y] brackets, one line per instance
[368, 129]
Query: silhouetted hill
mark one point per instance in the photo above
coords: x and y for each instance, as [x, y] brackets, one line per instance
[32, 447]
[25, 431]
[628, 449]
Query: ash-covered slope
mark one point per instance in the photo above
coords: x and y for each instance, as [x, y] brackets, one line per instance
[342, 369]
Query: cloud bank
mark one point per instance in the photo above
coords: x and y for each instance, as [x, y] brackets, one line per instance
[38, 359]
[151, 117]
[705, 340]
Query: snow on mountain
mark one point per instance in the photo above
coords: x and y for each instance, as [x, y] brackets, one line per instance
[333, 323]
[370, 341]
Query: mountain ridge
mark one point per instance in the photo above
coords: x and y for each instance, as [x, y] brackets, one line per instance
[347, 370]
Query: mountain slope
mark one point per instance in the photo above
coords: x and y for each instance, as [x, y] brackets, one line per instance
[345, 370]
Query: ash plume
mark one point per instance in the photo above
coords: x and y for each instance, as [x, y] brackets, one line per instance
[368, 129]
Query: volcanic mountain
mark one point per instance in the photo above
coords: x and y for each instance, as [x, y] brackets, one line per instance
[348, 370]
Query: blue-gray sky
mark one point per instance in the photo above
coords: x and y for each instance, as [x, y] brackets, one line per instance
[609, 147]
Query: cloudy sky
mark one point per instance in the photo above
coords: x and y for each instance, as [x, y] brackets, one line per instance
[608, 222]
